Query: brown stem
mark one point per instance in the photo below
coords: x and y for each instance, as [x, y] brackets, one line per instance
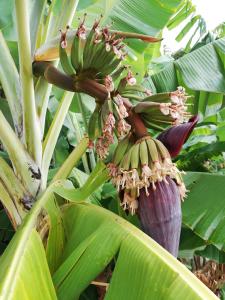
[135, 120]
[53, 75]
[92, 88]
[80, 84]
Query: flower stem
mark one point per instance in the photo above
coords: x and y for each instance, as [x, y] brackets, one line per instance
[135, 121]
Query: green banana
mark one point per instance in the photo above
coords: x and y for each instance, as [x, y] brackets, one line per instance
[146, 107]
[161, 122]
[135, 87]
[115, 110]
[150, 125]
[161, 97]
[117, 73]
[65, 62]
[126, 161]
[111, 66]
[135, 156]
[98, 49]
[77, 53]
[121, 150]
[144, 153]
[132, 96]
[88, 49]
[152, 150]
[107, 59]
[162, 149]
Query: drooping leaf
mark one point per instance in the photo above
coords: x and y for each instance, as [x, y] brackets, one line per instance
[194, 69]
[18, 263]
[143, 270]
[204, 208]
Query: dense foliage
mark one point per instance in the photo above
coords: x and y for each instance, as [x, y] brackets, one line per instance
[90, 118]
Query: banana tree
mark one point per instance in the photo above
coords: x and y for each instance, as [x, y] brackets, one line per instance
[63, 243]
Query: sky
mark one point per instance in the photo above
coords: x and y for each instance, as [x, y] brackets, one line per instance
[213, 11]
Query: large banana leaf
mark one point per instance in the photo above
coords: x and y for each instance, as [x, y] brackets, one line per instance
[202, 73]
[143, 269]
[24, 270]
[204, 208]
[196, 70]
[95, 236]
[142, 16]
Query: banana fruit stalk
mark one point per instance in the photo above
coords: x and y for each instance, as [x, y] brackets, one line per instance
[95, 53]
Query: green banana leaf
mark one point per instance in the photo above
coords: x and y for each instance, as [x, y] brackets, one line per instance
[94, 237]
[24, 271]
[204, 208]
[141, 16]
[193, 70]
[143, 269]
[186, 9]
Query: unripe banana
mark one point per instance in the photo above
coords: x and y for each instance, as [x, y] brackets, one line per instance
[121, 149]
[117, 73]
[88, 49]
[145, 107]
[98, 50]
[115, 111]
[65, 62]
[125, 163]
[135, 156]
[77, 53]
[152, 150]
[162, 149]
[151, 125]
[134, 88]
[109, 68]
[144, 153]
[132, 96]
[161, 97]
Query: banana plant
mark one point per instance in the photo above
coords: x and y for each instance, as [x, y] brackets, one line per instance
[58, 243]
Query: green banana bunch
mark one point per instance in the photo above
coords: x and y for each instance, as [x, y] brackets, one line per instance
[141, 164]
[164, 109]
[96, 52]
